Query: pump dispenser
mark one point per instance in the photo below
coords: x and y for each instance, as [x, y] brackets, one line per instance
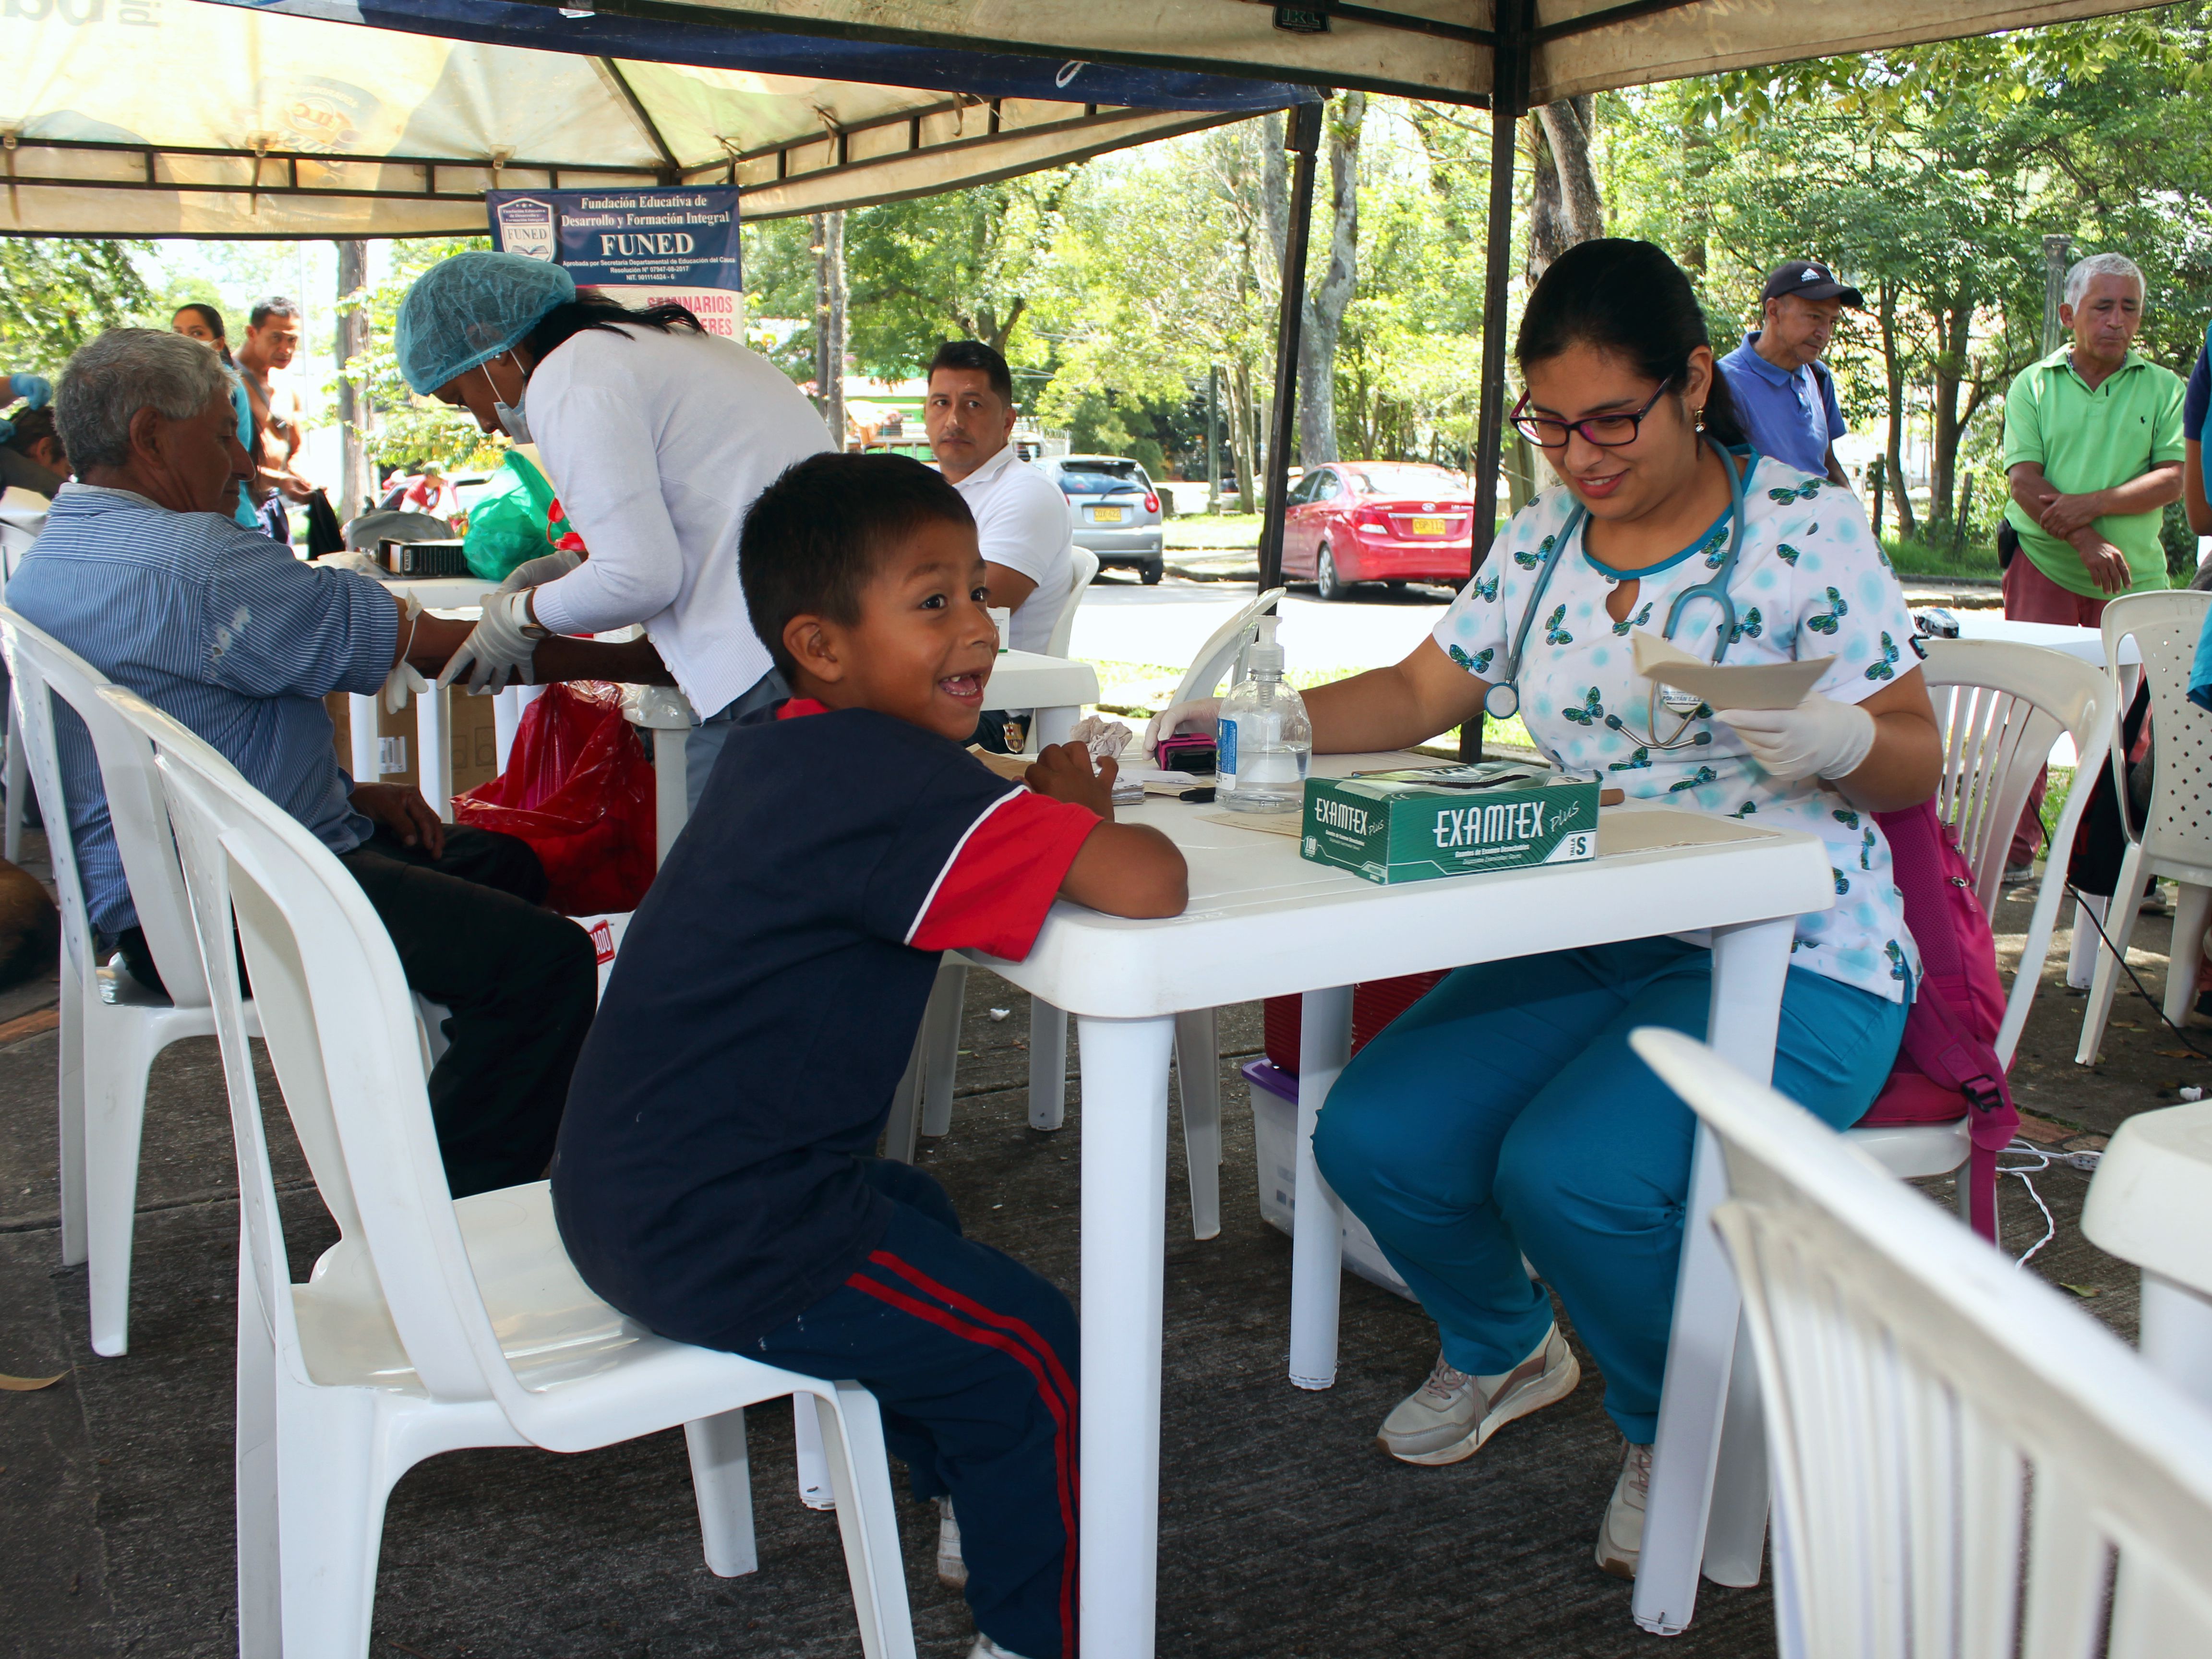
[1265, 741]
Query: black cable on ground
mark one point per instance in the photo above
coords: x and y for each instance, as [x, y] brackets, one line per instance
[2173, 958]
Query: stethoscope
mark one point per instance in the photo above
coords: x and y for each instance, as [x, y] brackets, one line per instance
[1503, 700]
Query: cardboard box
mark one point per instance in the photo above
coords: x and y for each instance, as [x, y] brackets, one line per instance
[1419, 825]
[470, 729]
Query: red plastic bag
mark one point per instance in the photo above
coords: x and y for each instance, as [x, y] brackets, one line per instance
[579, 789]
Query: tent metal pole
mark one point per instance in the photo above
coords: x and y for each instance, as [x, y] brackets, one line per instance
[1508, 102]
[1304, 143]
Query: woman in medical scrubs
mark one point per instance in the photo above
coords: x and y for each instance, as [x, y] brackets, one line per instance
[657, 436]
[1505, 1114]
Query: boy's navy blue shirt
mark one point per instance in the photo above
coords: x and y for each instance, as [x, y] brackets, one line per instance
[761, 1012]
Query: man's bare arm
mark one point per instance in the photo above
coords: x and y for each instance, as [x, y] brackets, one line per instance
[1836, 473]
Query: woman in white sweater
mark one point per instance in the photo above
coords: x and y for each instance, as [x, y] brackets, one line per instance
[657, 435]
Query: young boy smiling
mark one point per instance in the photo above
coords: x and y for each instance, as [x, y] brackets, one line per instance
[716, 1176]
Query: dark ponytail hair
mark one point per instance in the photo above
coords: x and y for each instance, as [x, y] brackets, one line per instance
[592, 310]
[1629, 298]
[213, 319]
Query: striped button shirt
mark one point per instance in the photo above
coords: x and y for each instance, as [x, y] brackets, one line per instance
[219, 627]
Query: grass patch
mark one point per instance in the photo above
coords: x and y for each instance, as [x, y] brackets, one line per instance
[1229, 530]
[1919, 559]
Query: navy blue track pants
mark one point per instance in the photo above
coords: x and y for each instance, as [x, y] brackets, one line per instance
[972, 1358]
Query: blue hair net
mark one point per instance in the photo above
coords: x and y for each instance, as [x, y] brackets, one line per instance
[466, 310]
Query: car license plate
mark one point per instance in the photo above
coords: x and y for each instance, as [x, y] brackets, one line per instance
[1105, 515]
[1428, 527]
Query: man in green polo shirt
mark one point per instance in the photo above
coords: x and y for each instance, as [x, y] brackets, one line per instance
[2093, 450]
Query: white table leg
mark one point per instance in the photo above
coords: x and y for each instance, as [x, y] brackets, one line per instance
[2176, 1333]
[506, 715]
[361, 717]
[1317, 1231]
[1125, 1160]
[1048, 1065]
[434, 766]
[18, 782]
[1698, 1412]
[1053, 724]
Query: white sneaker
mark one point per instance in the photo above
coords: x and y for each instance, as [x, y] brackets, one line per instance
[985, 1647]
[951, 1567]
[1620, 1537]
[1449, 1416]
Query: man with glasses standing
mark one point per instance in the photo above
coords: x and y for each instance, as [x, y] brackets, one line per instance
[1783, 391]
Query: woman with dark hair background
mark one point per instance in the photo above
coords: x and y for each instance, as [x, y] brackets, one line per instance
[657, 436]
[1505, 1114]
[204, 322]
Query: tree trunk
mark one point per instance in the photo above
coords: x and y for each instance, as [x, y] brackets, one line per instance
[357, 483]
[1893, 373]
[1326, 300]
[1566, 207]
[829, 298]
[1953, 335]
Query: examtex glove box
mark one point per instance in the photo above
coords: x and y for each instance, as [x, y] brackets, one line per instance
[1419, 825]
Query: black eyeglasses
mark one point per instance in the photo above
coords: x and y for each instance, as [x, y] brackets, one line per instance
[1605, 431]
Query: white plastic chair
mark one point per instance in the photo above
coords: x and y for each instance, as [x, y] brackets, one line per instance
[2000, 707]
[111, 1027]
[2176, 840]
[1963, 1465]
[431, 1325]
[18, 530]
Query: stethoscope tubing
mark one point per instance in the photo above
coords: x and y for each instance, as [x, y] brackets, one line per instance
[1502, 699]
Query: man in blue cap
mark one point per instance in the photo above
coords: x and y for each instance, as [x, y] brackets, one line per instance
[1783, 393]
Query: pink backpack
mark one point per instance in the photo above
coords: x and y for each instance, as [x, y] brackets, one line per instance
[1948, 1066]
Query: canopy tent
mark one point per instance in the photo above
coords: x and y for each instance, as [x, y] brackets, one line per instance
[1444, 49]
[156, 118]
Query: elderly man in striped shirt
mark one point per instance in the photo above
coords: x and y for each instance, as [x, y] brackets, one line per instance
[143, 572]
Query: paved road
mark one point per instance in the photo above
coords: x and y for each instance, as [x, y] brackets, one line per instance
[1122, 622]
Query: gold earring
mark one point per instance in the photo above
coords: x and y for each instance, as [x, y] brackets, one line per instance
[1698, 420]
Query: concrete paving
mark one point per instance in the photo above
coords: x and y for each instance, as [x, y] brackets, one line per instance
[1284, 1532]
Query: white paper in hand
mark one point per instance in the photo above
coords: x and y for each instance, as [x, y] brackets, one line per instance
[1727, 685]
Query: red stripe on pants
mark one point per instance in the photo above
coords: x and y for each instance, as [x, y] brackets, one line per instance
[1063, 1429]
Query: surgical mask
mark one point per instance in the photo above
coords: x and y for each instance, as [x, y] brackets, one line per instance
[509, 415]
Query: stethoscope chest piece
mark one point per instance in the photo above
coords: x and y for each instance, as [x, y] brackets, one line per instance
[1501, 702]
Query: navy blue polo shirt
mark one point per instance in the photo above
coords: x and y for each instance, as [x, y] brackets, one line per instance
[707, 1179]
[1793, 417]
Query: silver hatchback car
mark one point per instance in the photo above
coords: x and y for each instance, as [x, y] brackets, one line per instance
[1113, 510]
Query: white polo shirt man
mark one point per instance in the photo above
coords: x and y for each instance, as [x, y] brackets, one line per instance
[1022, 521]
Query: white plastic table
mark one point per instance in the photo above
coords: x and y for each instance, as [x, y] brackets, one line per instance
[2149, 1204]
[2086, 643]
[1262, 921]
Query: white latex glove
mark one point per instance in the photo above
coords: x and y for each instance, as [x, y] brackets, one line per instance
[1104, 738]
[536, 572]
[1818, 738]
[405, 681]
[499, 648]
[1202, 716]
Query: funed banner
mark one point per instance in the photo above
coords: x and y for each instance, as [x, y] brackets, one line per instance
[643, 246]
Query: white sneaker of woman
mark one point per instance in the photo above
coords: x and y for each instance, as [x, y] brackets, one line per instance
[1621, 1535]
[1449, 1416]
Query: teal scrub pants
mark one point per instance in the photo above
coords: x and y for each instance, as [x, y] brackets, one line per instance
[1505, 1114]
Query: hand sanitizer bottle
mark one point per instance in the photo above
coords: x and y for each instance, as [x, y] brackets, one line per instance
[1265, 739]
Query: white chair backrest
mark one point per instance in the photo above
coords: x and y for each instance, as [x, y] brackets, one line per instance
[2166, 626]
[1215, 656]
[45, 669]
[19, 529]
[1085, 563]
[1953, 1449]
[2000, 707]
[340, 1025]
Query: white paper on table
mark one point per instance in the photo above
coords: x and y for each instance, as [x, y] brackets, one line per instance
[1727, 685]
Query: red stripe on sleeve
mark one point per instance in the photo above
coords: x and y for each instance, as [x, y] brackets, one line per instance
[993, 895]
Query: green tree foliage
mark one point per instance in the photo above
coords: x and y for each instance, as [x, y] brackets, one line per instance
[56, 292]
[408, 429]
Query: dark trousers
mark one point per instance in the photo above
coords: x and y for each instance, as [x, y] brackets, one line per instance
[972, 1357]
[520, 983]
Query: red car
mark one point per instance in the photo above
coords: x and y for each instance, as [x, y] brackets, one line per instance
[1385, 521]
